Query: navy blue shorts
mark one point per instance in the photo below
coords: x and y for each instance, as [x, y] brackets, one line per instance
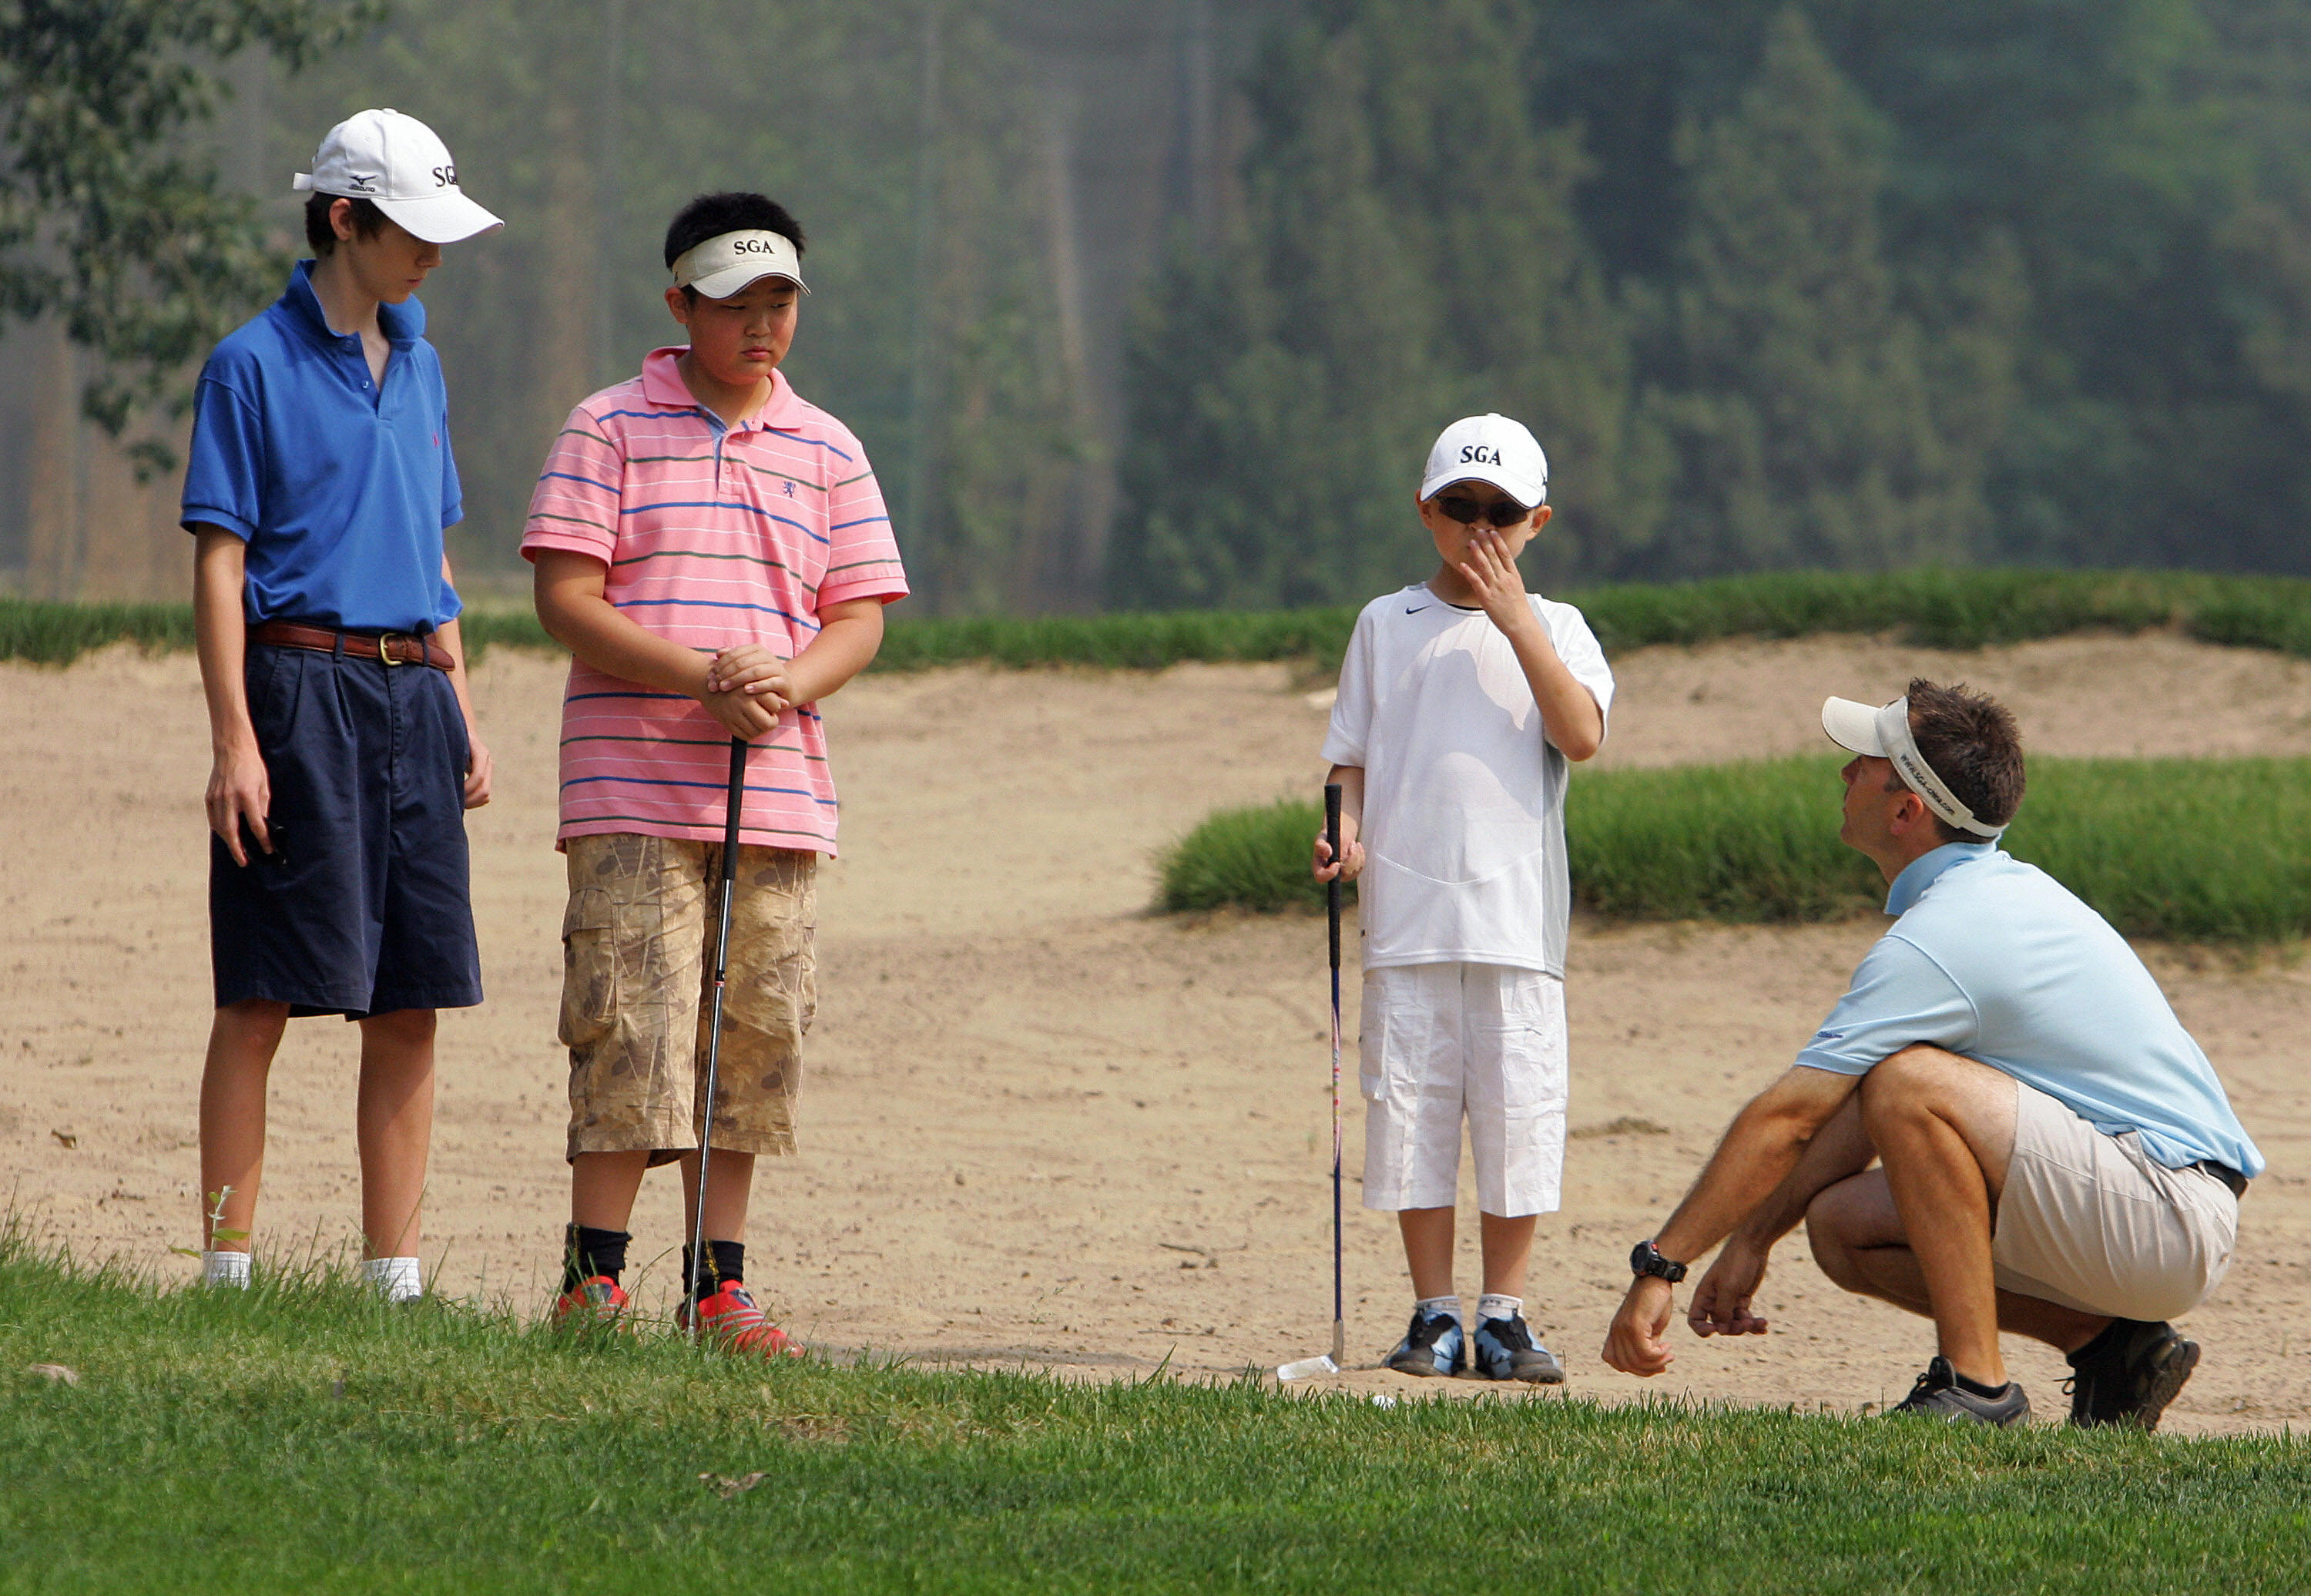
[363, 907]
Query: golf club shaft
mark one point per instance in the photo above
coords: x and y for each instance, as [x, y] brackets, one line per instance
[1332, 905]
[714, 1030]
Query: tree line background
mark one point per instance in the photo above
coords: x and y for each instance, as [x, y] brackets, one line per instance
[1159, 304]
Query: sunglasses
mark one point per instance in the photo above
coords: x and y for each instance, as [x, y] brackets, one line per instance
[1499, 512]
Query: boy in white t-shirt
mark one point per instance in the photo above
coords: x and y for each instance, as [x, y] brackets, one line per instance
[1462, 701]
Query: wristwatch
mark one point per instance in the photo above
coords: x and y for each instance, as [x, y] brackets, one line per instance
[1645, 1259]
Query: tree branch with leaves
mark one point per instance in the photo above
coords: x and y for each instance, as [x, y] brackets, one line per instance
[110, 218]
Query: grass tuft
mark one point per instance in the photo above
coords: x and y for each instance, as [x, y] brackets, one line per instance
[2192, 850]
[303, 1436]
[1954, 609]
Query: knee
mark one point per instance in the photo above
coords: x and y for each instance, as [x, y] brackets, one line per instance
[1826, 1234]
[253, 1020]
[405, 1027]
[1905, 1084]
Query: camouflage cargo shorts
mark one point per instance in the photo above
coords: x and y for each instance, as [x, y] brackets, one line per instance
[637, 994]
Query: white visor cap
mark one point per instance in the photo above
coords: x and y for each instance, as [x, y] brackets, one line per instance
[397, 164]
[1884, 732]
[728, 262]
[1489, 449]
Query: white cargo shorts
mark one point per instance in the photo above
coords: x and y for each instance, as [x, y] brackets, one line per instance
[1442, 1043]
[2092, 1222]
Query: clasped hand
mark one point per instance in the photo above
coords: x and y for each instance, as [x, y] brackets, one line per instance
[748, 688]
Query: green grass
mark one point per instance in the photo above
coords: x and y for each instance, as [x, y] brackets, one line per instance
[2194, 850]
[1955, 609]
[304, 1438]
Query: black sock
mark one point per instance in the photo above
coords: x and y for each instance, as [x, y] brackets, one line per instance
[726, 1265]
[1976, 1386]
[2114, 1335]
[586, 1253]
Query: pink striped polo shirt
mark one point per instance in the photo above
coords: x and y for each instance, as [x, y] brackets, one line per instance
[713, 536]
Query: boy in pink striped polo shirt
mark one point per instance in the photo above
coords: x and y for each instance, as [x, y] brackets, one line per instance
[715, 553]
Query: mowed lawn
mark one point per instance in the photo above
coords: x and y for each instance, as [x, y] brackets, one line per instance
[304, 1438]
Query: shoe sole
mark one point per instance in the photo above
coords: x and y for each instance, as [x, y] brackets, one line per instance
[2174, 1374]
[1555, 1376]
[1424, 1368]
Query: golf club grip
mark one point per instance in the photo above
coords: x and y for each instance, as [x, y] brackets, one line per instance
[737, 807]
[1332, 843]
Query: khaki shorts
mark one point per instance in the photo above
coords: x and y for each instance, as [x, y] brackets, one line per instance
[637, 994]
[2090, 1221]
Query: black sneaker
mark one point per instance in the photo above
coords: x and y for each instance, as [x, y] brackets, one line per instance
[1504, 1349]
[1939, 1395]
[2127, 1375]
[1433, 1346]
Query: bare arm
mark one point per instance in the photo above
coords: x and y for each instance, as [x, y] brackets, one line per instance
[1721, 1304]
[1569, 715]
[479, 768]
[1767, 1140]
[1351, 778]
[568, 587]
[240, 789]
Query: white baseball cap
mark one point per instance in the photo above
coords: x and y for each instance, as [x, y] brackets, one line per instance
[397, 164]
[723, 264]
[1884, 732]
[1489, 449]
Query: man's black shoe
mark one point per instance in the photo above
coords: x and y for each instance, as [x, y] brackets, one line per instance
[2127, 1375]
[1939, 1395]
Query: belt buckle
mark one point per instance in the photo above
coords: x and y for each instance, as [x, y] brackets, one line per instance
[385, 648]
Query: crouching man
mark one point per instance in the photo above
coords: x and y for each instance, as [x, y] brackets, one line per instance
[2001, 1125]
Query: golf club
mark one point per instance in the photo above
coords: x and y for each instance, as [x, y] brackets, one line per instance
[1307, 1367]
[714, 1031]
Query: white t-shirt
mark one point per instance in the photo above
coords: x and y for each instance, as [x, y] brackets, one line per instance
[1464, 792]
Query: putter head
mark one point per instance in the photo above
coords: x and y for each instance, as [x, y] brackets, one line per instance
[1307, 1368]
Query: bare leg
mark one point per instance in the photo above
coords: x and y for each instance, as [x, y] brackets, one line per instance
[394, 1125]
[1429, 1249]
[1508, 1247]
[729, 1191]
[1857, 1238]
[603, 1187]
[1944, 1129]
[242, 1039]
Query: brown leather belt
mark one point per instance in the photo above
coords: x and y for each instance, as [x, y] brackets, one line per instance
[394, 647]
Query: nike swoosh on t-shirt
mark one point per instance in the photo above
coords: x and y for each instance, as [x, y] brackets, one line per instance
[1413, 609]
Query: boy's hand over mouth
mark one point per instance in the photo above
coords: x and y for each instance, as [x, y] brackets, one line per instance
[1492, 575]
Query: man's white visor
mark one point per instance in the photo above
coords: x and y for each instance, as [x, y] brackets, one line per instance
[726, 263]
[1884, 732]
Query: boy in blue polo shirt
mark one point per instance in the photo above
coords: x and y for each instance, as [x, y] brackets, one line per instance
[319, 482]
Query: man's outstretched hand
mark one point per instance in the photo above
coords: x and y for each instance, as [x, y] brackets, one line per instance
[1721, 1303]
[1638, 1342]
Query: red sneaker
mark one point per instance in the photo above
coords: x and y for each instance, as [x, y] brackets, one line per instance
[729, 1321]
[599, 1301]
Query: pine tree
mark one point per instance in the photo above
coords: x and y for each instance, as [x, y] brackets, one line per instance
[1408, 256]
[1805, 412]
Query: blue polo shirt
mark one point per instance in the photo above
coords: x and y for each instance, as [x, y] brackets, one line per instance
[1996, 960]
[340, 487]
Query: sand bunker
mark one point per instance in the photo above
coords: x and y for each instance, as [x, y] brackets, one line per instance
[1039, 1127]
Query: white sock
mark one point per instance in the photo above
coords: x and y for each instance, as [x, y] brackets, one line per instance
[1494, 1305]
[1428, 1307]
[225, 1269]
[396, 1278]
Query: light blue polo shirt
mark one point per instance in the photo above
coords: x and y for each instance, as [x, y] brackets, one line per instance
[1996, 960]
[340, 486]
